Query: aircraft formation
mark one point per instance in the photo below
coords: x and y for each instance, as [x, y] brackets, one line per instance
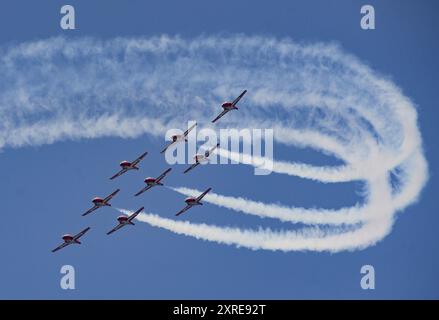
[150, 182]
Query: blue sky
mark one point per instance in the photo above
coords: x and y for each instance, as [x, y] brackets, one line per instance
[46, 188]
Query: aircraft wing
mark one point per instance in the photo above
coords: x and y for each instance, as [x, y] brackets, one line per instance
[60, 246]
[183, 210]
[189, 130]
[120, 225]
[166, 148]
[121, 172]
[220, 115]
[160, 177]
[143, 190]
[80, 234]
[191, 167]
[135, 214]
[139, 159]
[90, 210]
[203, 194]
[209, 152]
[108, 198]
[239, 98]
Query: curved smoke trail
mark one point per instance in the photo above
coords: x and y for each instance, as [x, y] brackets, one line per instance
[317, 97]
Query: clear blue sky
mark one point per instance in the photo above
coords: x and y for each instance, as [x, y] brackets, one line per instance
[45, 189]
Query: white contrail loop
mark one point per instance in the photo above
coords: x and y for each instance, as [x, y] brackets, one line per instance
[312, 96]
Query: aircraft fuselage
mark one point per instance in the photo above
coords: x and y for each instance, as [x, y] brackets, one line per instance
[228, 106]
[100, 203]
[193, 202]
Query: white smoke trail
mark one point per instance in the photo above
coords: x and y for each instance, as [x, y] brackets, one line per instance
[313, 96]
[342, 216]
[323, 174]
